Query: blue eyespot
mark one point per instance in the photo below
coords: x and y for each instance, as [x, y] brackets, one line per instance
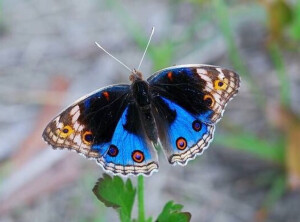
[197, 125]
[113, 151]
[181, 143]
[138, 156]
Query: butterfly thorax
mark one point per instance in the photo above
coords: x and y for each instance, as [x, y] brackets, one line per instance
[142, 98]
[140, 91]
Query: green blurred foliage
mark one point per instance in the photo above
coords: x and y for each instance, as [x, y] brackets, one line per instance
[279, 18]
[272, 151]
[295, 26]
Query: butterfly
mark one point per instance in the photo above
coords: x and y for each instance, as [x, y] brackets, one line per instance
[120, 126]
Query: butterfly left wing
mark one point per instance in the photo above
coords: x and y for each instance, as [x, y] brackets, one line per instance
[189, 100]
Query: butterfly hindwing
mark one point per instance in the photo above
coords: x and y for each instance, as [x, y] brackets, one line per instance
[129, 151]
[103, 126]
[183, 136]
[202, 90]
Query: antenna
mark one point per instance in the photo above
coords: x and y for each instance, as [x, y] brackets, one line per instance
[152, 32]
[114, 57]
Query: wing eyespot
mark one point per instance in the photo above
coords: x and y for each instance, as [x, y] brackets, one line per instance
[113, 151]
[221, 84]
[87, 137]
[209, 100]
[65, 131]
[197, 126]
[138, 156]
[181, 143]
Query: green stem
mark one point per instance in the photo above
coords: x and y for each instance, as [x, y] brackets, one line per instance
[141, 206]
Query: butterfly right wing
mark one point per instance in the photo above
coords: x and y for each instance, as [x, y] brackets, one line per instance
[189, 100]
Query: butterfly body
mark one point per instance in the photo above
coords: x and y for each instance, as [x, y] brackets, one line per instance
[120, 125]
[143, 99]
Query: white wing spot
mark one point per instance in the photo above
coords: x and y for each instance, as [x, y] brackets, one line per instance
[74, 110]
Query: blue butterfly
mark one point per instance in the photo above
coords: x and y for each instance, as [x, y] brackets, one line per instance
[120, 125]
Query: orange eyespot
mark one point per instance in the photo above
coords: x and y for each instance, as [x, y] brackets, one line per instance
[65, 131]
[221, 84]
[208, 99]
[87, 137]
[181, 143]
[138, 156]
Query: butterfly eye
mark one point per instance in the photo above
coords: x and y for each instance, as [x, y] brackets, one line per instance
[66, 131]
[138, 156]
[208, 99]
[113, 151]
[221, 84]
[181, 143]
[87, 137]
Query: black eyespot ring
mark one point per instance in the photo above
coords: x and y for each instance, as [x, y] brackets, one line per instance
[208, 100]
[113, 151]
[138, 156]
[197, 125]
[181, 143]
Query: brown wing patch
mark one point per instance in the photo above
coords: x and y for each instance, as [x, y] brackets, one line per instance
[221, 85]
[65, 132]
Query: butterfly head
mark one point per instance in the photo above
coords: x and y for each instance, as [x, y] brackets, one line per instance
[135, 76]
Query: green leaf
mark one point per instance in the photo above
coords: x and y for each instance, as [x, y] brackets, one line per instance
[172, 212]
[113, 192]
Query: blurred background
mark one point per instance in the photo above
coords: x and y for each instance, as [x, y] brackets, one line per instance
[48, 59]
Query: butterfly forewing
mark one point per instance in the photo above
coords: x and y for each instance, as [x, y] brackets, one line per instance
[90, 120]
[202, 90]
